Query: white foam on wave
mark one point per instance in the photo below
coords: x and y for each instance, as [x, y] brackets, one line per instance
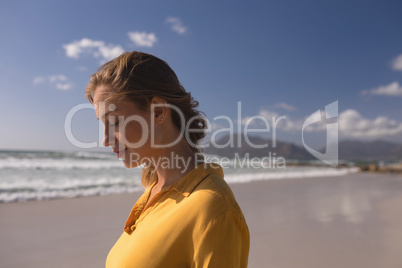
[85, 174]
[288, 174]
[45, 195]
[58, 164]
[93, 155]
[65, 182]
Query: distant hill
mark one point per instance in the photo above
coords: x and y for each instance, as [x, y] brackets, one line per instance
[284, 149]
[348, 149]
[370, 150]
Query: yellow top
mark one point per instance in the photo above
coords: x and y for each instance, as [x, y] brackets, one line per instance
[195, 222]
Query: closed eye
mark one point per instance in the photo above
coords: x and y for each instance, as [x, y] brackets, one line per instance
[115, 124]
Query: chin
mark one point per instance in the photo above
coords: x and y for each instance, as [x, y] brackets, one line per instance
[131, 162]
[128, 164]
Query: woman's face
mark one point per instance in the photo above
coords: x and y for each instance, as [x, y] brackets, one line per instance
[126, 128]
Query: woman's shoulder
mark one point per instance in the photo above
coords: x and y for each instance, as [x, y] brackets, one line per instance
[215, 196]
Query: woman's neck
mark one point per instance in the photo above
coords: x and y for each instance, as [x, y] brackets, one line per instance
[175, 162]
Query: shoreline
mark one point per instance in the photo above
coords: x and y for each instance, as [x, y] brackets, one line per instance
[231, 178]
[343, 221]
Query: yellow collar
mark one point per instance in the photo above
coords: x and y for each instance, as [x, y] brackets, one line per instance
[187, 184]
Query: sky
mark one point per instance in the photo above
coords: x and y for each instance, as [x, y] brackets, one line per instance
[273, 58]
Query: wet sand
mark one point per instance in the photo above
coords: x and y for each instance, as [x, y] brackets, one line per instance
[350, 221]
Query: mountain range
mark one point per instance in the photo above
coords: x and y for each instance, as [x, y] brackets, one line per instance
[352, 150]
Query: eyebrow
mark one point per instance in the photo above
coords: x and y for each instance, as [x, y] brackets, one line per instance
[105, 114]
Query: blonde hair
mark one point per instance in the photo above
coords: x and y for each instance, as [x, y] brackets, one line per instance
[139, 77]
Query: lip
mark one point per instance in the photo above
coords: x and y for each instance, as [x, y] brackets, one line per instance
[119, 153]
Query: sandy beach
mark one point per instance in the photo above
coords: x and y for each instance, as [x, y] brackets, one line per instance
[348, 221]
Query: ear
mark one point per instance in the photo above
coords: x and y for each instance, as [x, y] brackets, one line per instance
[159, 108]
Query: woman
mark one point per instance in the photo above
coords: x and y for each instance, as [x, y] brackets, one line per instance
[187, 216]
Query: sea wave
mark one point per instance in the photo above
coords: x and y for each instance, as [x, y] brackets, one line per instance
[41, 189]
[56, 155]
[57, 164]
[26, 176]
[20, 196]
[289, 174]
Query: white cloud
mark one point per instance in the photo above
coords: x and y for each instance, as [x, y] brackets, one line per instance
[38, 80]
[176, 25]
[397, 63]
[217, 126]
[279, 121]
[66, 86]
[98, 49]
[143, 39]
[285, 106]
[82, 68]
[353, 125]
[59, 81]
[57, 78]
[393, 89]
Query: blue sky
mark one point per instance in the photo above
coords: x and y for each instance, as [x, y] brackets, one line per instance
[275, 57]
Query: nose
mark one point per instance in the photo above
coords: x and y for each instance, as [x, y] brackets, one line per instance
[108, 137]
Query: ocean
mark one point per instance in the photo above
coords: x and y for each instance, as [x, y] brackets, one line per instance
[41, 175]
